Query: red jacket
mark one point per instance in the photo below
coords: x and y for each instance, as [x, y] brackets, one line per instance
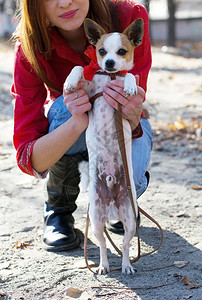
[31, 94]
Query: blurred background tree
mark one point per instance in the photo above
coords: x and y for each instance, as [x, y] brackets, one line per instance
[146, 4]
[172, 8]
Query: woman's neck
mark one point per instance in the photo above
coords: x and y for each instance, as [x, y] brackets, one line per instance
[75, 39]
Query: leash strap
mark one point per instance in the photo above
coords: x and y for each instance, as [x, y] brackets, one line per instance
[86, 240]
[120, 136]
[92, 99]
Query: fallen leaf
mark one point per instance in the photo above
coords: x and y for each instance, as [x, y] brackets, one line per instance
[177, 251]
[177, 275]
[171, 77]
[73, 293]
[5, 265]
[197, 188]
[178, 215]
[22, 245]
[180, 264]
[190, 284]
[178, 125]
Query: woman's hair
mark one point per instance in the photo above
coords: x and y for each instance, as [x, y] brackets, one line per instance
[35, 35]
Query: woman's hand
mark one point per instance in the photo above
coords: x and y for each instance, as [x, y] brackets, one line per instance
[131, 105]
[78, 104]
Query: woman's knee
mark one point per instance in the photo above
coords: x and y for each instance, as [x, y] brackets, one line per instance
[58, 114]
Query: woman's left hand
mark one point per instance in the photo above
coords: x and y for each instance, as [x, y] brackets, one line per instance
[131, 105]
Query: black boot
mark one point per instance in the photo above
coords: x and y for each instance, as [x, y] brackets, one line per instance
[63, 190]
[117, 227]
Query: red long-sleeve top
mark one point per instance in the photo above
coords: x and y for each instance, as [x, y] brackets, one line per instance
[31, 94]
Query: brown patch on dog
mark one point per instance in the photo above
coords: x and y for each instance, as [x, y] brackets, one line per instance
[118, 192]
[100, 44]
[126, 44]
[102, 189]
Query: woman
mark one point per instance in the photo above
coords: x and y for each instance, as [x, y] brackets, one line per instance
[50, 42]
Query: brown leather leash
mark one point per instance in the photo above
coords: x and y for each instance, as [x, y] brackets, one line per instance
[120, 136]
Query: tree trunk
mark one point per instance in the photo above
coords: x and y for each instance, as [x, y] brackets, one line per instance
[172, 5]
[147, 4]
[2, 2]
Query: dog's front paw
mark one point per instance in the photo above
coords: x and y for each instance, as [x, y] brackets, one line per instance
[102, 270]
[69, 86]
[131, 91]
[130, 87]
[72, 80]
[128, 270]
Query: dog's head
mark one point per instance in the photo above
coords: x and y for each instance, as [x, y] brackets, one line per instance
[114, 50]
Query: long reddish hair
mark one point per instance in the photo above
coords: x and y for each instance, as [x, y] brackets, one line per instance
[35, 34]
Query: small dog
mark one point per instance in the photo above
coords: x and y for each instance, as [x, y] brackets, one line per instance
[108, 193]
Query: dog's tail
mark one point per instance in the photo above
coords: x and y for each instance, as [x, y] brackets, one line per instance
[109, 181]
[84, 175]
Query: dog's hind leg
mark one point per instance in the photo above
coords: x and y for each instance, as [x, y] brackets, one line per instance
[129, 228]
[98, 230]
[97, 217]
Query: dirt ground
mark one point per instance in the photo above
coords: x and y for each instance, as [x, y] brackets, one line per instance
[173, 198]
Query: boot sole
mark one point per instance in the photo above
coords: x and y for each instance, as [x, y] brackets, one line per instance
[74, 244]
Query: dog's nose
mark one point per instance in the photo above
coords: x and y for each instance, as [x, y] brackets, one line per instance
[110, 64]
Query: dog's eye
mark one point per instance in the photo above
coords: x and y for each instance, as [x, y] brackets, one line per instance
[102, 52]
[121, 52]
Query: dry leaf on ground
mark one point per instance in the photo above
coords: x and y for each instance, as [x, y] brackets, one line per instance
[178, 124]
[22, 245]
[5, 265]
[180, 264]
[190, 284]
[78, 294]
[73, 293]
[196, 187]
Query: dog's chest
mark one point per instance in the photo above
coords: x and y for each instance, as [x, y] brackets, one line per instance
[102, 124]
[104, 154]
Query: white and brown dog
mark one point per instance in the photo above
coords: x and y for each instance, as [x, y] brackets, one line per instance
[108, 193]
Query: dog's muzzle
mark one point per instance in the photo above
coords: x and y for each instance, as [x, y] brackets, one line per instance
[109, 65]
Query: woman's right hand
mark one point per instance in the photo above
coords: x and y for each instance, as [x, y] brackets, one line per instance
[78, 104]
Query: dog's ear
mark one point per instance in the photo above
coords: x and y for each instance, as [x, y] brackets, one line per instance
[93, 31]
[135, 32]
